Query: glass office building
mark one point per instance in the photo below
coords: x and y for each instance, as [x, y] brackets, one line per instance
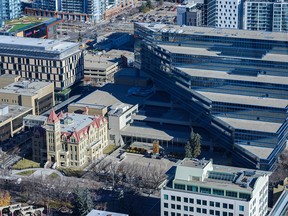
[233, 82]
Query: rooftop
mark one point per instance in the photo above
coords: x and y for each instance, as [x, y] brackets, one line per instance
[22, 43]
[234, 178]
[71, 122]
[104, 213]
[25, 87]
[217, 74]
[208, 52]
[252, 125]
[243, 99]
[219, 32]
[13, 111]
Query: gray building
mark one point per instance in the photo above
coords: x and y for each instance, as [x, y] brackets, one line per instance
[191, 15]
[264, 15]
[42, 59]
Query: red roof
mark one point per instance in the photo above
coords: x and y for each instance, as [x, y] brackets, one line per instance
[52, 117]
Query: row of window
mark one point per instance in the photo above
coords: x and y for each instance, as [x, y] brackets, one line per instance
[203, 211]
[205, 190]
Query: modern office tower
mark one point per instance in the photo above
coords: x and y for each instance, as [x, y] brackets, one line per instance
[266, 15]
[52, 5]
[70, 139]
[81, 10]
[233, 83]
[201, 188]
[9, 9]
[42, 59]
[224, 13]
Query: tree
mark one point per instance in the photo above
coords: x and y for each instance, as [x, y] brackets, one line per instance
[188, 150]
[149, 4]
[83, 201]
[195, 143]
[156, 147]
[142, 7]
[160, 2]
[4, 198]
[79, 37]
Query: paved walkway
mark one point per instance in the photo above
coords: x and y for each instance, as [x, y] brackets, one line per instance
[38, 172]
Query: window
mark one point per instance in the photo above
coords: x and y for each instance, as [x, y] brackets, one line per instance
[205, 190]
[217, 213]
[225, 214]
[191, 209]
[230, 214]
[230, 206]
[211, 212]
[204, 202]
[244, 196]
[218, 192]
[179, 186]
[178, 214]
[241, 208]
[172, 213]
[165, 213]
[191, 200]
[204, 211]
[217, 204]
[178, 199]
[198, 210]
[231, 194]
[192, 188]
[173, 206]
[225, 205]
[185, 208]
[198, 201]
[165, 197]
[179, 207]
[185, 199]
[212, 203]
[165, 205]
[173, 198]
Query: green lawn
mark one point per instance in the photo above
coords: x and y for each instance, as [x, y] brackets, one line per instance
[26, 173]
[53, 176]
[110, 148]
[25, 164]
[19, 26]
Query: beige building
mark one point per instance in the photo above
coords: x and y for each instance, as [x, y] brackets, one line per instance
[7, 79]
[103, 66]
[70, 139]
[37, 95]
[42, 59]
[11, 120]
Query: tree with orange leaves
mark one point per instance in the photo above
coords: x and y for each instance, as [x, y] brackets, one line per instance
[4, 198]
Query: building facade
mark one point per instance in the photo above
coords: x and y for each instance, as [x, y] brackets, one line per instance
[9, 9]
[262, 15]
[232, 82]
[70, 140]
[37, 95]
[224, 13]
[39, 59]
[258, 15]
[11, 120]
[72, 9]
[201, 188]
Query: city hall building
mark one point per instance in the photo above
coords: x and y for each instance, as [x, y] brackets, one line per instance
[233, 82]
[41, 59]
[68, 139]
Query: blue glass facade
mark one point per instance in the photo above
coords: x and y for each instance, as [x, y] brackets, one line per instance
[233, 82]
